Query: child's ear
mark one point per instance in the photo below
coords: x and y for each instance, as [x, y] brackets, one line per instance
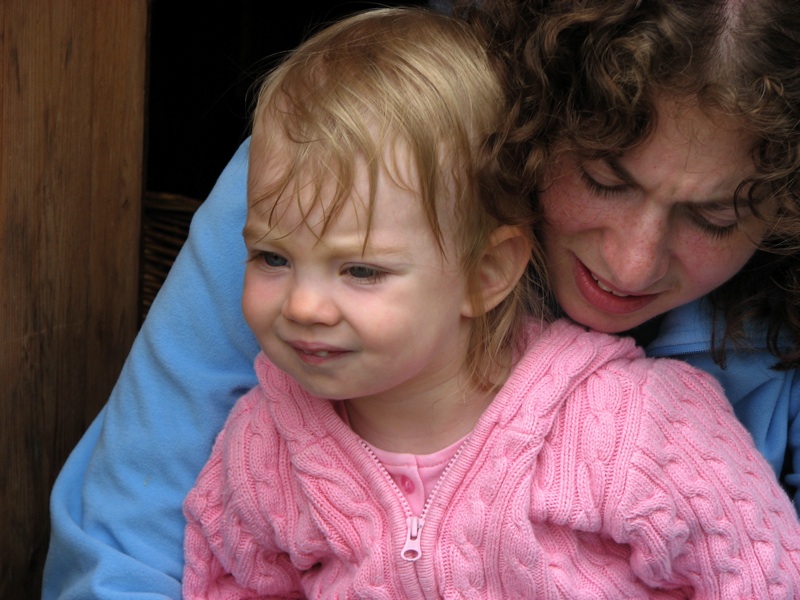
[501, 266]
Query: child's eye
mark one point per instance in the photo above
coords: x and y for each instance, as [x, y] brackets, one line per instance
[271, 259]
[365, 274]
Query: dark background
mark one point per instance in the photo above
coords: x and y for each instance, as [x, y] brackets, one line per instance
[204, 61]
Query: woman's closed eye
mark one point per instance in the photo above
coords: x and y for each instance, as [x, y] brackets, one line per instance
[716, 224]
[603, 188]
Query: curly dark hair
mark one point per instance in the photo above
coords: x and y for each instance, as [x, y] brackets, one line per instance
[583, 76]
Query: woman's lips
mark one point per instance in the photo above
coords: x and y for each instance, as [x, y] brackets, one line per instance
[602, 297]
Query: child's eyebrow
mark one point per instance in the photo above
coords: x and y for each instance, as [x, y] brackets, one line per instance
[250, 234]
[378, 251]
[371, 250]
[253, 235]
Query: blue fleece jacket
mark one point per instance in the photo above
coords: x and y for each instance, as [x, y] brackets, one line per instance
[117, 525]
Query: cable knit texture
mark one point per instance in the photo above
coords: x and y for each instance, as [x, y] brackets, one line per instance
[595, 473]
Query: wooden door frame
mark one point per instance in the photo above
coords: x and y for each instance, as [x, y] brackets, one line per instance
[72, 132]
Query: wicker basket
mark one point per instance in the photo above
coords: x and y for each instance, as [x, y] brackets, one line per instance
[165, 226]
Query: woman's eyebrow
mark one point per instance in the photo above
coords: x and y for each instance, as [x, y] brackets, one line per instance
[720, 203]
[620, 171]
[715, 205]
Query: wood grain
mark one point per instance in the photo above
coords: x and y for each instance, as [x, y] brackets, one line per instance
[72, 99]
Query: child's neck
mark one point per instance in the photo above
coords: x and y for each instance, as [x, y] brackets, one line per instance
[417, 425]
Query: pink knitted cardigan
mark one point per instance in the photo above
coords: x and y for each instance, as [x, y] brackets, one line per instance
[595, 473]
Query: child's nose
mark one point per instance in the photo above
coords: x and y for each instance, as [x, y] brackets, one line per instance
[310, 303]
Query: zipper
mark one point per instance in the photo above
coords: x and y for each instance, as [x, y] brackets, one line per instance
[412, 548]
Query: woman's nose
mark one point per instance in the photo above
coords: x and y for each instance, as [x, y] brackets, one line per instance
[636, 250]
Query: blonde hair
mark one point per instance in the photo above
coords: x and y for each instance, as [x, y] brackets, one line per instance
[416, 78]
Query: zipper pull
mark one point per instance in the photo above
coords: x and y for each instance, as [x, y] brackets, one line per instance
[412, 550]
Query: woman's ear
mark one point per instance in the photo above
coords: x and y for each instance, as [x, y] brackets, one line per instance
[500, 267]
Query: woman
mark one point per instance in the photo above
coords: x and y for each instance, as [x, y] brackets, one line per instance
[641, 152]
[666, 138]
